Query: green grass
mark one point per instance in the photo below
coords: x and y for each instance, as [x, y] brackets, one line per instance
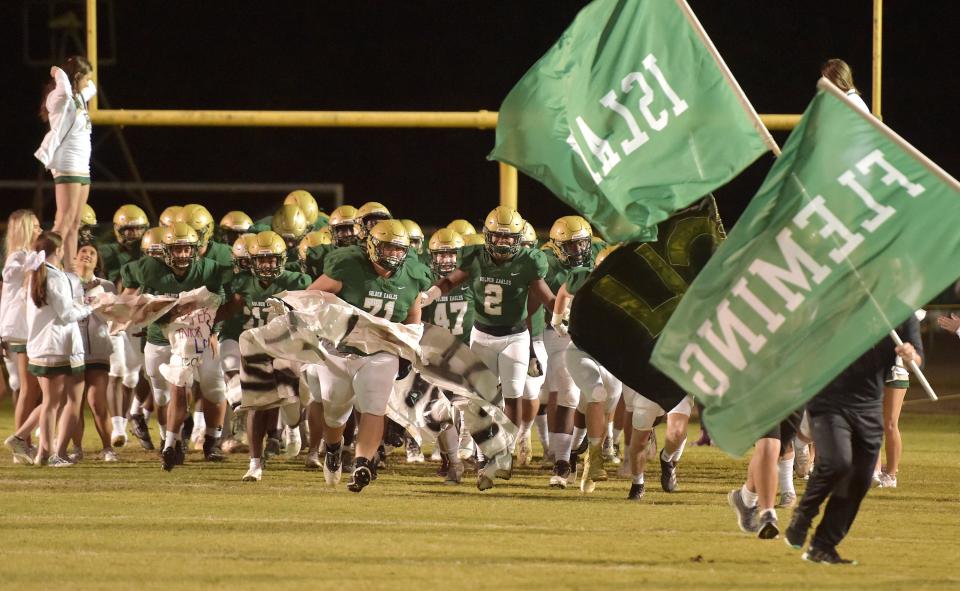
[132, 526]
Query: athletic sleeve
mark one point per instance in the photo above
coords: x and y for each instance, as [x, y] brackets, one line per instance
[338, 263]
[575, 280]
[131, 274]
[540, 264]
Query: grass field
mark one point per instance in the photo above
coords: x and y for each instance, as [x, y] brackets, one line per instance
[133, 526]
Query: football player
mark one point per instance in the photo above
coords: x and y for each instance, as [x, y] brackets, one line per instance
[368, 215]
[181, 270]
[374, 279]
[197, 217]
[570, 239]
[530, 404]
[130, 223]
[502, 274]
[290, 223]
[232, 225]
[316, 219]
[462, 227]
[169, 215]
[247, 309]
[88, 223]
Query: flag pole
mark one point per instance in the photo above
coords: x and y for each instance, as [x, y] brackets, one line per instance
[741, 96]
[916, 370]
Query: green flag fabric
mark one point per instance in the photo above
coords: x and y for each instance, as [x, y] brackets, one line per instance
[852, 230]
[629, 117]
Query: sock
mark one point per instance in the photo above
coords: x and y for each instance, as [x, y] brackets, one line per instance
[595, 441]
[117, 424]
[334, 447]
[135, 406]
[749, 498]
[785, 475]
[615, 434]
[146, 414]
[163, 433]
[578, 435]
[541, 423]
[771, 511]
[638, 479]
[254, 463]
[675, 456]
[561, 443]
[214, 432]
[171, 439]
[524, 431]
[610, 432]
[664, 456]
[123, 424]
[199, 422]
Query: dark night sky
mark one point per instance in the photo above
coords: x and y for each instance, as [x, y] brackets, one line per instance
[433, 55]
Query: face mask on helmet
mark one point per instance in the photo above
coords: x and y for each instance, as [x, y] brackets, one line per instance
[267, 266]
[387, 254]
[131, 235]
[344, 235]
[180, 256]
[574, 252]
[369, 221]
[443, 262]
[502, 244]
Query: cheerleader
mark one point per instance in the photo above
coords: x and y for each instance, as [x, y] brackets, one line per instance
[66, 148]
[54, 350]
[23, 229]
[97, 348]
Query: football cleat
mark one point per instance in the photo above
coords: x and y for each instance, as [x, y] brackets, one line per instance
[253, 475]
[140, 430]
[414, 453]
[272, 448]
[168, 458]
[454, 474]
[636, 492]
[211, 449]
[668, 475]
[118, 439]
[362, 475]
[826, 557]
[561, 474]
[313, 461]
[294, 443]
[333, 467]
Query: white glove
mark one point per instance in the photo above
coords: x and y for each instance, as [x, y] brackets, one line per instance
[430, 296]
[560, 324]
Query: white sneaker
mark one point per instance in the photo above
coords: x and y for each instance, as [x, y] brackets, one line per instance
[294, 443]
[313, 461]
[454, 474]
[20, 450]
[609, 453]
[887, 481]
[118, 438]
[56, 461]
[253, 475]
[109, 456]
[414, 453]
[76, 456]
[876, 479]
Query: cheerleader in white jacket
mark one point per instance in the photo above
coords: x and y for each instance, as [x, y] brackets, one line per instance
[23, 229]
[67, 147]
[54, 350]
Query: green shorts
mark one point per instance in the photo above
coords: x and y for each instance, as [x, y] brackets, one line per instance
[95, 365]
[62, 180]
[18, 347]
[54, 370]
[897, 384]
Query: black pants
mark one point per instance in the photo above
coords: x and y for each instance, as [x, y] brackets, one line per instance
[848, 442]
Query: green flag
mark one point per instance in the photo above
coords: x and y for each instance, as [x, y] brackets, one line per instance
[852, 230]
[632, 115]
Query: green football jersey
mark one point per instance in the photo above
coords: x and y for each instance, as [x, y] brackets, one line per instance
[500, 289]
[114, 257]
[262, 225]
[155, 277]
[219, 252]
[255, 296]
[293, 260]
[453, 312]
[386, 297]
[575, 280]
[313, 265]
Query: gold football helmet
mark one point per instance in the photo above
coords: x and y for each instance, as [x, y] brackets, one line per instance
[233, 225]
[129, 224]
[169, 215]
[88, 217]
[240, 252]
[197, 217]
[315, 238]
[343, 225]
[151, 243]
[368, 215]
[268, 255]
[462, 227]
[307, 204]
[603, 254]
[444, 247]
[529, 236]
[473, 239]
[573, 237]
[181, 245]
[503, 231]
[415, 234]
[388, 243]
[290, 223]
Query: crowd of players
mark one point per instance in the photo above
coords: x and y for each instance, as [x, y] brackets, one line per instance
[500, 291]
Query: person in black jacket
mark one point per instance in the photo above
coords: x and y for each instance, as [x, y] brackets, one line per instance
[847, 423]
